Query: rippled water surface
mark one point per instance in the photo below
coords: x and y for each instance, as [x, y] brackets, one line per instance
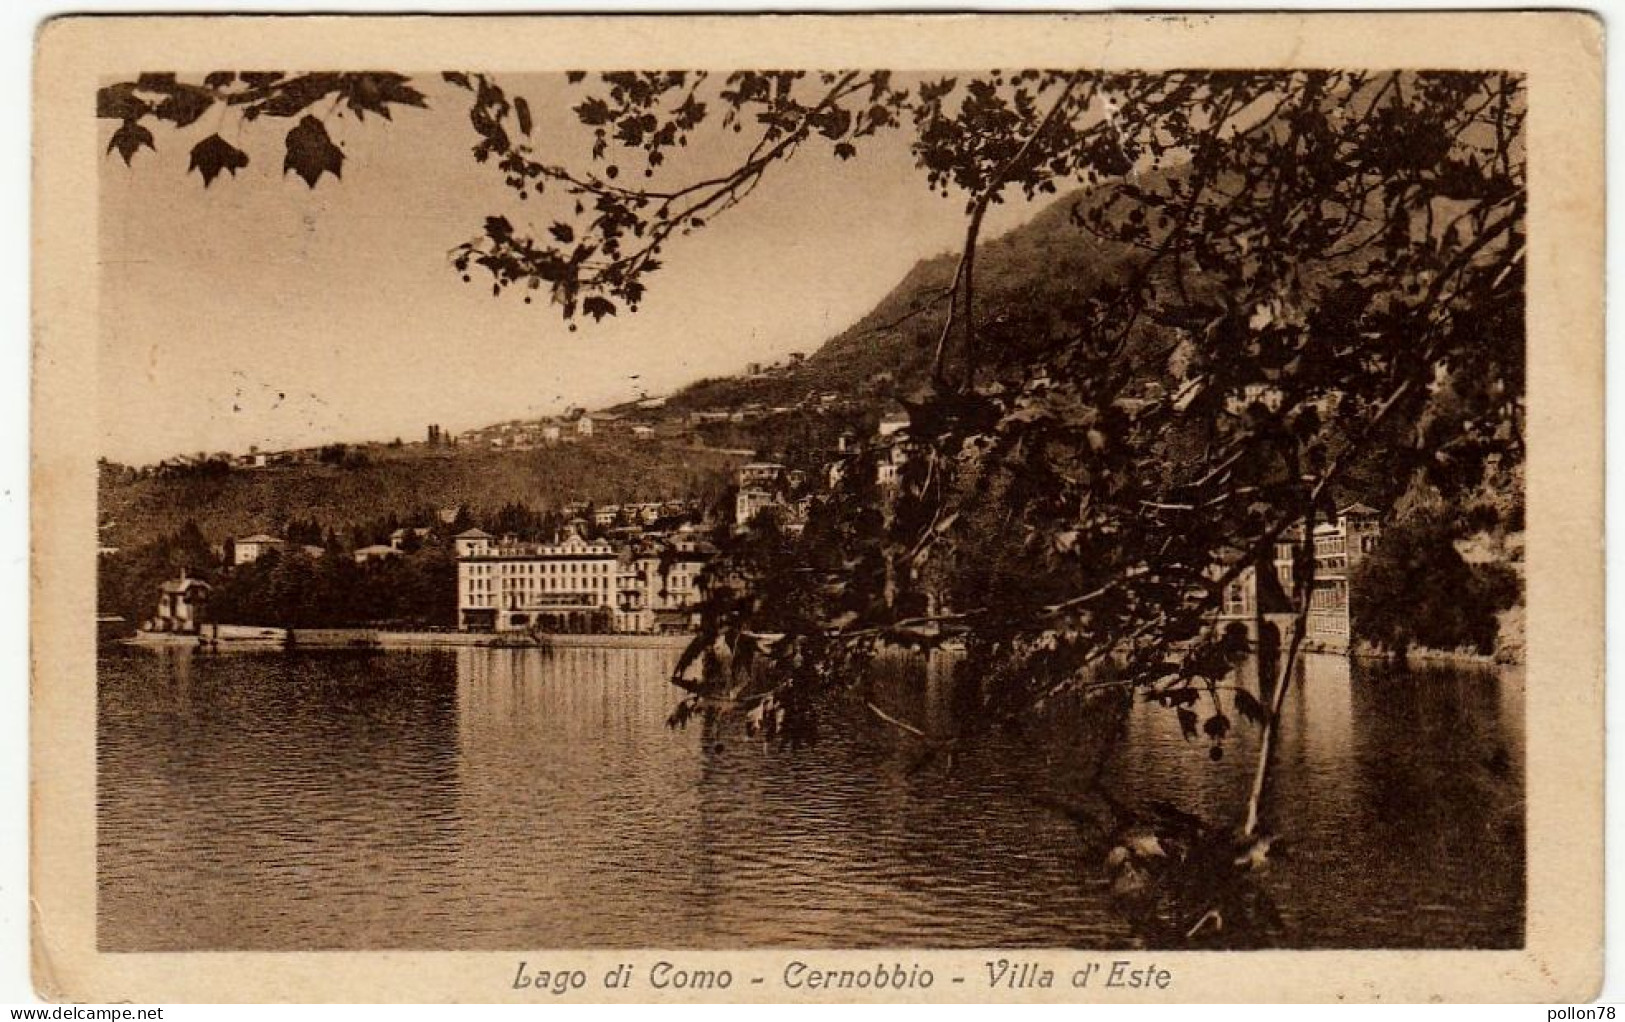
[517, 799]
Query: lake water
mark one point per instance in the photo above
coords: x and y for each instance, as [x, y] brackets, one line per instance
[494, 799]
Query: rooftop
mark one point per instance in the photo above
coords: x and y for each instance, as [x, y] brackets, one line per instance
[183, 585]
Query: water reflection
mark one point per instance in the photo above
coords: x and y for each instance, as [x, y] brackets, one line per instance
[240, 799]
[515, 799]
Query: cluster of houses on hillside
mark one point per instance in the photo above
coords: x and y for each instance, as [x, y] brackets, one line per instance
[754, 411]
[227, 461]
[630, 581]
[641, 420]
[764, 485]
[574, 426]
[248, 549]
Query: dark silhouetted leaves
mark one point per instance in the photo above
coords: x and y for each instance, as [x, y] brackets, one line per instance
[184, 105]
[597, 307]
[498, 228]
[1187, 723]
[128, 138]
[120, 103]
[375, 91]
[592, 112]
[213, 155]
[522, 108]
[311, 152]
[291, 97]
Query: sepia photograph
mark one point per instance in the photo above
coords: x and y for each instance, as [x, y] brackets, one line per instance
[1076, 508]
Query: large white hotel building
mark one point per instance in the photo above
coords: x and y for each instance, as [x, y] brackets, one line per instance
[577, 585]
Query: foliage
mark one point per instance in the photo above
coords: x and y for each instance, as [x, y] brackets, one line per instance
[1415, 589]
[333, 591]
[164, 98]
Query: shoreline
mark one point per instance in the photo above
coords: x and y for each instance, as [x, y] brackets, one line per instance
[239, 637]
[246, 637]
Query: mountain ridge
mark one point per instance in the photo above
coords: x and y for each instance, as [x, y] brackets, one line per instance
[889, 349]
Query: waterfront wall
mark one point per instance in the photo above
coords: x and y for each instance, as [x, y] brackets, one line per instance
[251, 637]
[389, 640]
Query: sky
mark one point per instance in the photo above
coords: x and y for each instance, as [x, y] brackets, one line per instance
[258, 311]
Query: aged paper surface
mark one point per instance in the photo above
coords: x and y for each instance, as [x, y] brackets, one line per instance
[268, 823]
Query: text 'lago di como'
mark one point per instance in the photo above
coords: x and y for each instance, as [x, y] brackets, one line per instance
[798, 974]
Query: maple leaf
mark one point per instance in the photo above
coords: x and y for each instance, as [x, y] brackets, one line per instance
[213, 155]
[128, 138]
[310, 152]
[375, 91]
[498, 228]
[597, 307]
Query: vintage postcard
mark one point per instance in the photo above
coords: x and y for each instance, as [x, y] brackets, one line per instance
[842, 508]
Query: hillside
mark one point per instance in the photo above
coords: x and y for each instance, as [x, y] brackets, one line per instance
[406, 482]
[1047, 262]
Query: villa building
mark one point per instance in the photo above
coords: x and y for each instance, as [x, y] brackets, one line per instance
[657, 589]
[761, 485]
[181, 603]
[513, 586]
[1340, 546]
[376, 552]
[251, 548]
[577, 585]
